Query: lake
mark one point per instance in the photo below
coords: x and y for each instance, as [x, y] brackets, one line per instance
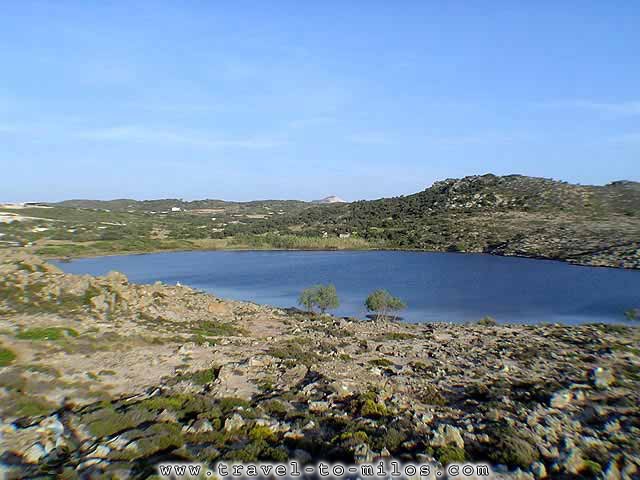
[447, 287]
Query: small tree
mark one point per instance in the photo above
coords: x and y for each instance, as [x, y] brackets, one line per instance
[307, 298]
[324, 297]
[381, 302]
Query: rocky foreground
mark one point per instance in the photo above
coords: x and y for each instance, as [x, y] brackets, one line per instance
[101, 378]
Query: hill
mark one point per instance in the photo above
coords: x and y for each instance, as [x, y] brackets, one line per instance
[508, 215]
[330, 199]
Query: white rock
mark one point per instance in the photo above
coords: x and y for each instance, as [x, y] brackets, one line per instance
[34, 453]
[235, 422]
[561, 399]
[539, 470]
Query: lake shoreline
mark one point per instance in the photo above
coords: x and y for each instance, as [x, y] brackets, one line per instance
[274, 249]
[272, 384]
[435, 285]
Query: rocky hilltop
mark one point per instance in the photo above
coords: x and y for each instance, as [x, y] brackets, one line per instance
[510, 215]
[101, 378]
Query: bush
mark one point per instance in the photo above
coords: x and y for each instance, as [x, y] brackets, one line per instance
[6, 357]
[487, 322]
[450, 454]
[512, 448]
[383, 302]
[633, 314]
[324, 297]
[49, 333]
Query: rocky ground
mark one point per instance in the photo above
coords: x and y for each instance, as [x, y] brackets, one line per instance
[101, 378]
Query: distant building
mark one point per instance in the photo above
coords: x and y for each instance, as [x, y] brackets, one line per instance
[176, 209]
[344, 235]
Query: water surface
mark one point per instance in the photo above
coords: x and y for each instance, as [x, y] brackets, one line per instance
[436, 286]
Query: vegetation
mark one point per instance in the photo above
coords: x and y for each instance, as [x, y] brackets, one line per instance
[633, 314]
[487, 322]
[48, 333]
[475, 214]
[512, 447]
[6, 356]
[324, 297]
[382, 302]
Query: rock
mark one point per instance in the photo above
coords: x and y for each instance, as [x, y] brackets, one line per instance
[101, 451]
[561, 399]
[447, 435]
[629, 471]
[612, 472]
[362, 453]
[302, 456]
[51, 425]
[538, 470]
[34, 453]
[573, 462]
[602, 378]
[203, 426]
[167, 416]
[234, 423]
[318, 407]
[117, 277]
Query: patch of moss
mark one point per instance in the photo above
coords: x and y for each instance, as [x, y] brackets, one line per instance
[203, 377]
[450, 454]
[432, 396]
[274, 407]
[512, 448]
[373, 409]
[6, 357]
[22, 405]
[108, 421]
[228, 404]
[46, 333]
[261, 433]
[381, 362]
[296, 352]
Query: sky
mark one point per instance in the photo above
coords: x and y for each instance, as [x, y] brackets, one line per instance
[243, 100]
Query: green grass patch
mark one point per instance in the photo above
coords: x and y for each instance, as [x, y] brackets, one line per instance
[6, 357]
[47, 333]
[381, 362]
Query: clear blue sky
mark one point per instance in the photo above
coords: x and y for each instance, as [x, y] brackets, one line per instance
[243, 100]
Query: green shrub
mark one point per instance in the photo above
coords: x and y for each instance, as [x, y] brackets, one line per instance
[6, 357]
[48, 333]
[382, 302]
[381, 362]
[324, 297]
[487, 322]
[373, 409]
[450, 454]
[512, 448]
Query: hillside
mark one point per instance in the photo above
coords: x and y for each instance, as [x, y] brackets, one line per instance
[510, 215]
[102, 378]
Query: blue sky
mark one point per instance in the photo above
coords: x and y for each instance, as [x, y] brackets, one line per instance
[245, 100]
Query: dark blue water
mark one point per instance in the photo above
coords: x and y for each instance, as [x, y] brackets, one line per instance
[436, 286]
